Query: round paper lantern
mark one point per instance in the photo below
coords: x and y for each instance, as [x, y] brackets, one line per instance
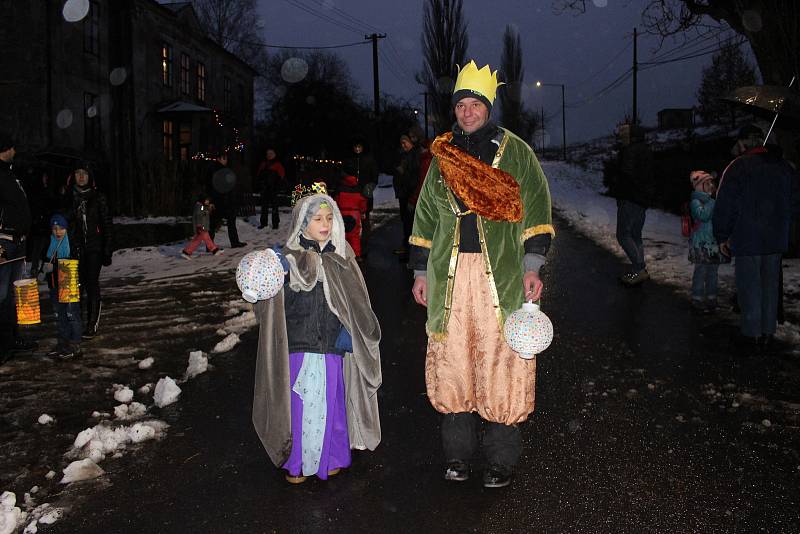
[259, 275]
[528, 331]
[68, 288]
[26, 292]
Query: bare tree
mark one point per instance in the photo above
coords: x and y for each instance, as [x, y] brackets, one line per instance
[772, 27]
[729, 69]
[444, 42]
[512, 74]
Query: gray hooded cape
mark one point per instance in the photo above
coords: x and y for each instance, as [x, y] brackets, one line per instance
[347, 297]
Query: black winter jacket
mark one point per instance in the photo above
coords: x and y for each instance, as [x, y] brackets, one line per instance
[91, 229]
[15, 214]
[635, 177]
[310, 325]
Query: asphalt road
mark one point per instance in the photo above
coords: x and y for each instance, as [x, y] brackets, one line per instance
[645, 422]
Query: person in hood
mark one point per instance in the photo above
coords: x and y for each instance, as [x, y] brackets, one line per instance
[15, 224]
[482, 228]
[318, 367]
[91, 233]
[353, 205]
[757, 198]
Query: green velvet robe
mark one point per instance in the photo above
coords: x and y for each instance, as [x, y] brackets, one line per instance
[436, 228]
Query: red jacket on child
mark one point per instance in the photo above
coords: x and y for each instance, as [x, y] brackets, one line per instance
[353, 204]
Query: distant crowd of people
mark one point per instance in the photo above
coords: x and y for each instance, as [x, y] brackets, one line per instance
[42, 227]
[744, 213]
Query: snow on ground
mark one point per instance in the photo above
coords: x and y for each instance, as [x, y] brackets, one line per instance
[578, 197]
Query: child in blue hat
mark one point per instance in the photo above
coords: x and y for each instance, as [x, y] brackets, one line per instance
[68, 314]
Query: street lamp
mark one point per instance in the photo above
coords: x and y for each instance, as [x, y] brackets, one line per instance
[563, 116]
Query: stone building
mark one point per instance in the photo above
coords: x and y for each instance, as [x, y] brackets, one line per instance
[133, 85]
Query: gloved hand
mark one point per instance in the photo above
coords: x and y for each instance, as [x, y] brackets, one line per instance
[284, 262]
[107, 260]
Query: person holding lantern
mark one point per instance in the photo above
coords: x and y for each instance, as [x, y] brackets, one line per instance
[482, 228]
[91, 234]
[15, 223]
[64, 294]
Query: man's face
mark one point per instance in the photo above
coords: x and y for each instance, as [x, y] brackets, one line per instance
[8, 155]
[81, 177]
[406, 145]
[271, 154]
[358, 149]
[471, 114]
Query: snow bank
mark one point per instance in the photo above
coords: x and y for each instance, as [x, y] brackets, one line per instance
[133, 410]
[123, 393]
[167, 392]
[147, 363]
[10, 514]
[45, 419]
[198, 364]
[226, 344]
[79, 470]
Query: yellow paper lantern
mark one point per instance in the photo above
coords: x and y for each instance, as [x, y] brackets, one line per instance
[68, 289]
[26, 292]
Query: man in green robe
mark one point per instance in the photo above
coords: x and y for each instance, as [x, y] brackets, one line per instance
[481, 231]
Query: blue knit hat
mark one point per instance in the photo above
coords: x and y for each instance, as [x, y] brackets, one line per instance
[60, 220]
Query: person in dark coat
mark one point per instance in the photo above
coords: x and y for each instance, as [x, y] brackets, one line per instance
[91, 232]
[757, 198]
[634, 190]
[15, 223]
[271, 178]
[405, 181]
[42, 201]
[224, 202]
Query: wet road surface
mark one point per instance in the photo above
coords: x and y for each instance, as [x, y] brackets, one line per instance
[644, 422]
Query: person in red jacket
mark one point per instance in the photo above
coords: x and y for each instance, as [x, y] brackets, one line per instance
[353, 205]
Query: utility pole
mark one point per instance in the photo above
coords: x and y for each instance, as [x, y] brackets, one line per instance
[425, 95]
[541, 128]
[634, 117]
[563, 124]
[375, 80]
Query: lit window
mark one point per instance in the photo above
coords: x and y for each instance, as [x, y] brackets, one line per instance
[184, 74]
[201, 82]
[166, 65]
[167, 131]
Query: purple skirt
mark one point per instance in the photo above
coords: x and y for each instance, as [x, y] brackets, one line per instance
[336, 442]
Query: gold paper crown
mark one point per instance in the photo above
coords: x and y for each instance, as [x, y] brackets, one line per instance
[301, 191]
[482, 81]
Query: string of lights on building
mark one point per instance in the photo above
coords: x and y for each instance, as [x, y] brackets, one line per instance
[237, 146]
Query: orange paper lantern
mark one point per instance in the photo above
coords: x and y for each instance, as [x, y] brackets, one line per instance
[26, 292]
[68, 289]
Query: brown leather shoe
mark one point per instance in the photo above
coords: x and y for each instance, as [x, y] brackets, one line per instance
[295, 480]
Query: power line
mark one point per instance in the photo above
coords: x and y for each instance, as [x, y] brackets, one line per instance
[343, 14]
[266, 45]
[688, 45]
[716, 48]
[312, 11]
[593, 76]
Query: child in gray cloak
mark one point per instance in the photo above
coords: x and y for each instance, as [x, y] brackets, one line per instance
[318, 367]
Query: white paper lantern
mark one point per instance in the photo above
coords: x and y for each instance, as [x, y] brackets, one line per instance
[528, 331]
[259, 275]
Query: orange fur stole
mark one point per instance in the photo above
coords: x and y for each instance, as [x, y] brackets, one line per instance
[491, 193]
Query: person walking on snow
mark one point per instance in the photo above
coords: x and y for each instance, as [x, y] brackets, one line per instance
[318, 367]
[91, 233]
[634, 190]
[201, 220]
[757, 198]
[481, 231]
[703, 248]
[271, 177]
[68, 314]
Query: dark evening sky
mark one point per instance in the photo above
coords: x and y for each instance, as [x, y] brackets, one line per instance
[586, 52]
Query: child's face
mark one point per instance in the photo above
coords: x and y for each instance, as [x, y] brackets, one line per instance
[320, 225]
[59, 232]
